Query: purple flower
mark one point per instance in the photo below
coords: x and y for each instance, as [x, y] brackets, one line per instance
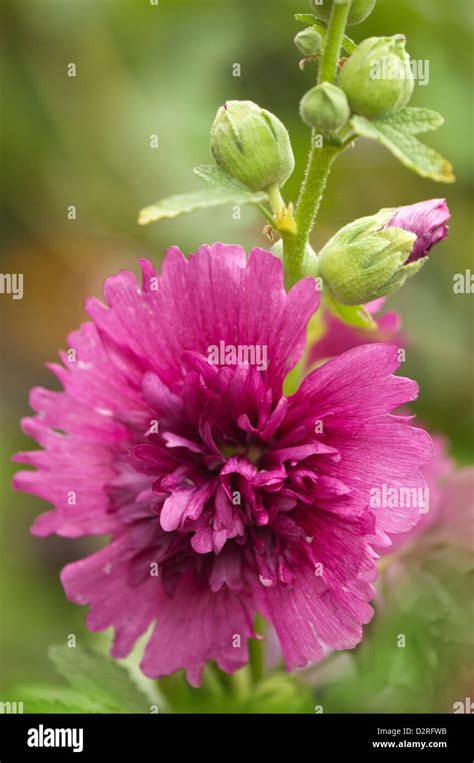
[428, 219]
[222, 496]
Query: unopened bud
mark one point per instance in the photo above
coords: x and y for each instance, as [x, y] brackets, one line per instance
[377, 78]
[365, 261]
[309, 42]
[325, 107]
[360, 9]
[252, 145]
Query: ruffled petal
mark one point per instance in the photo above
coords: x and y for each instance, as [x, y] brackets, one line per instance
[327, 602]
[197, 625]
[101, 580]
[223, 293]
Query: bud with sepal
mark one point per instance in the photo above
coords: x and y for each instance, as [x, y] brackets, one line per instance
[377, 79]
[365, 260]
[252, 145]
[374, 256]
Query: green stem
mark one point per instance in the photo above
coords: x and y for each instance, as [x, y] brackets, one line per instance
[276, 199]
[334, 38]
[223, 680]
[257, 652]
[320, 159]
[294, 246]
[266, 213]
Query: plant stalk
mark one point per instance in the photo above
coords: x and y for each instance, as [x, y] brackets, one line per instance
[320, 159]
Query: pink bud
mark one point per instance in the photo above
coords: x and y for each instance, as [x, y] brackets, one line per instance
[428, 219]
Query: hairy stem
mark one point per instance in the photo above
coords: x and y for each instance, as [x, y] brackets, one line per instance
[334, 38]
[320, 158]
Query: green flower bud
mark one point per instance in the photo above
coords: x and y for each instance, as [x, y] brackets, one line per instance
[377, 78]
[309, 42]
[360, 9]
[325, 107]
[252, 145]
[365, 261]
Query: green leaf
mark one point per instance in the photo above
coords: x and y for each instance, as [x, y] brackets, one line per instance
[396, 132]
[99, 678]
[348, 45]
[307, 18]
[221, 189]
[214, 176]
[414, 120]
[279, 693]
[58, 699]
[276, 692]
[430, 604]
[353, 315]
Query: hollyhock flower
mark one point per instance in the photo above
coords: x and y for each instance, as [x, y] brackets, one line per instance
[339, 336]
[428, 219]
[222, 496]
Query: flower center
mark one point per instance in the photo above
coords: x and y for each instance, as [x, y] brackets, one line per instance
[253, 453]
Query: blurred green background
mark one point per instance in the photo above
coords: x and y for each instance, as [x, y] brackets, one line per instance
[85, 141]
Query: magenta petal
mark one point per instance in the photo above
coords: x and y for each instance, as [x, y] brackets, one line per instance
[359, 382]
[100, 580]
[428, 219]
[195, 626]
[309, 615]
[183, 505]
[203, 540]
[222, 291]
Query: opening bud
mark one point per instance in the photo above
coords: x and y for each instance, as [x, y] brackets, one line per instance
[365, 261]
[427, 219]
[252, 145]
[377, 78]
[360, 9]
[326, 107]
